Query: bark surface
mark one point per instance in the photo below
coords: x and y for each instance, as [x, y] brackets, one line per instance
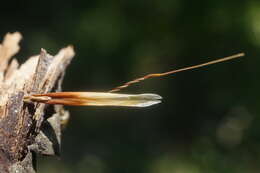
[29, 128]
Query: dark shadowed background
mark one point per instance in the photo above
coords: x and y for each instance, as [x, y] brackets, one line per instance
[209, 119]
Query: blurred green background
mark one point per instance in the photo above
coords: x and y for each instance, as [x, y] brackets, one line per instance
[209, 118]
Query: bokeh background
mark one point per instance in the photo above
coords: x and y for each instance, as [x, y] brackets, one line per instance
[209, 119]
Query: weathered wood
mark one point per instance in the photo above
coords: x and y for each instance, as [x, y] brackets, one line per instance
[26, 128]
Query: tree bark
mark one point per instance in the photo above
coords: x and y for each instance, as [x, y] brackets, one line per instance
[29, 128]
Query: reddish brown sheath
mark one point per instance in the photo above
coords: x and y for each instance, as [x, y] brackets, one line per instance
[96, 99]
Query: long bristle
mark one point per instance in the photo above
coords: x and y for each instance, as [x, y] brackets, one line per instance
[127, 84]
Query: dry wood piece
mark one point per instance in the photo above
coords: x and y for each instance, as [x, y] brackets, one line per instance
[23, 129]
